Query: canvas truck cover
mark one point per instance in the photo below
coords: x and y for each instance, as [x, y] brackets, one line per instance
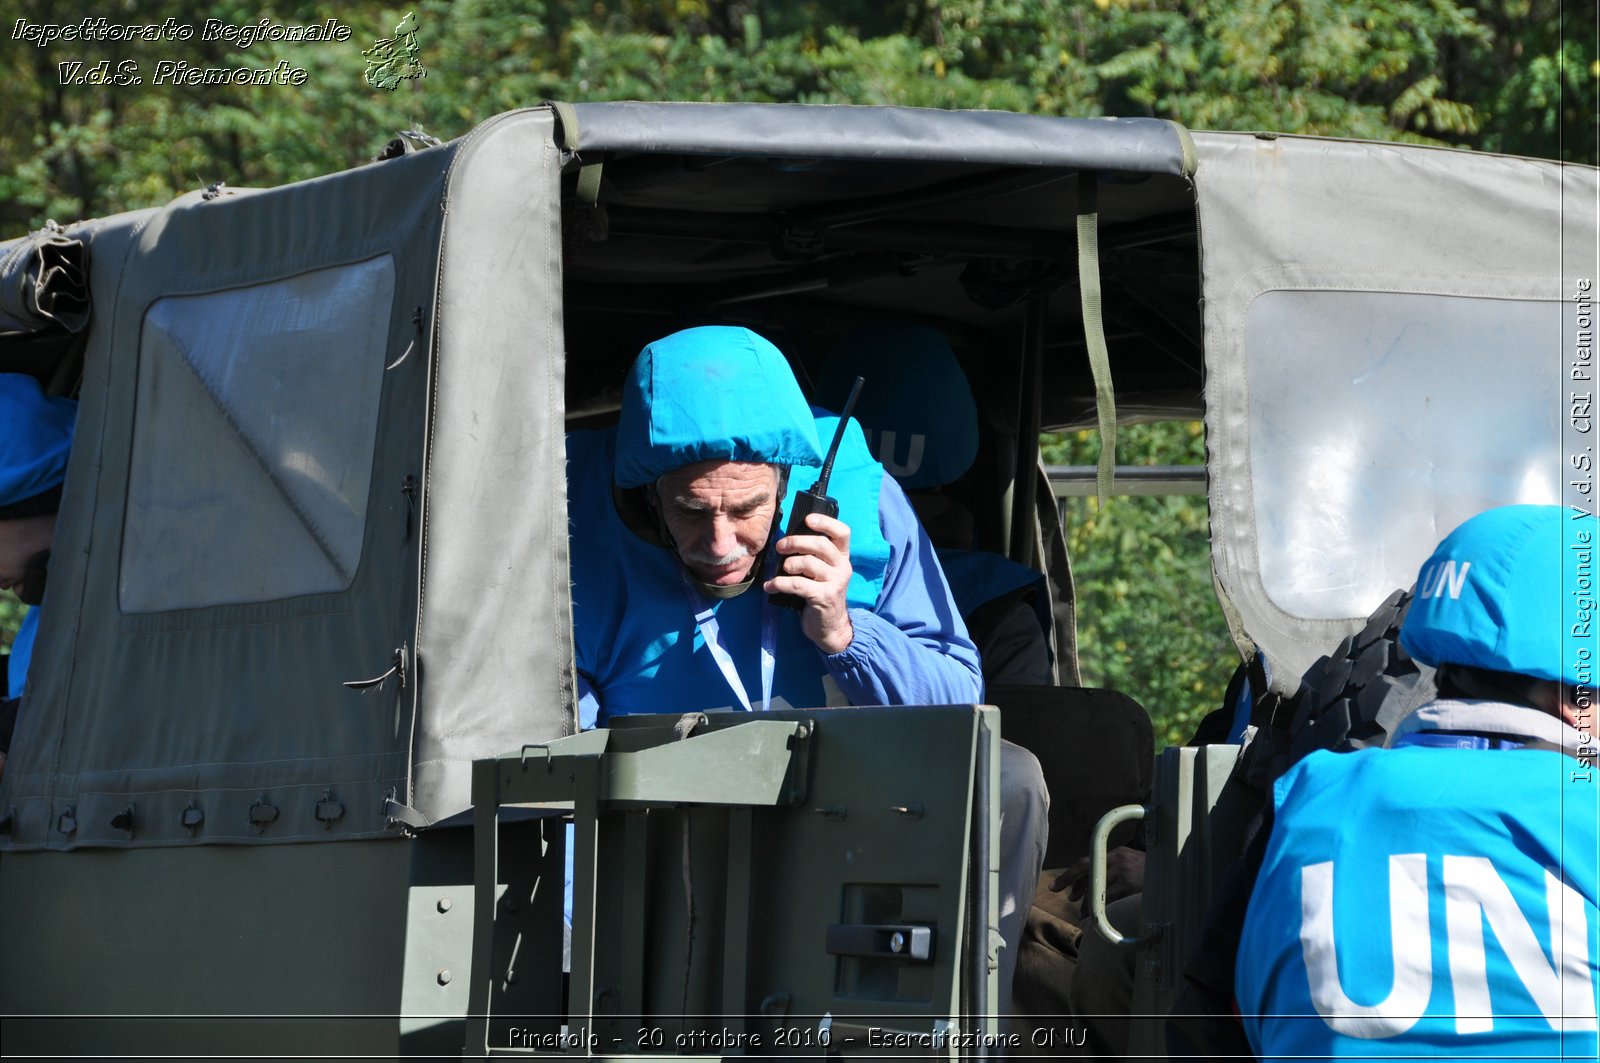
[1390, 337]
[317, 445]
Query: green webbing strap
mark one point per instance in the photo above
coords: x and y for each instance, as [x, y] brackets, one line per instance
[589, 183]
[1191, 159]
[567, 118]
[1094, 332]
[588, 173]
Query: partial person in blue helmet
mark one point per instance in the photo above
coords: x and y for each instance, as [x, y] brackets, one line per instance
[1438, 897]
[677, 541]
[34, 446]
[922, 424]
[926, 436]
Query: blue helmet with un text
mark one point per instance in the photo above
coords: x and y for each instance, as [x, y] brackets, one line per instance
[1512, 590]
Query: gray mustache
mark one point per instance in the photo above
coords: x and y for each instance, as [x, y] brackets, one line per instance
[701, 557]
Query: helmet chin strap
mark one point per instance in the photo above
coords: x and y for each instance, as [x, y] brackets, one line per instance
[732, 590]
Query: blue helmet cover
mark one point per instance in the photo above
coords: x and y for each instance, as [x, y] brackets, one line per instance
[35, 439]
[1513, 590]
[708, 394]
[916, 405]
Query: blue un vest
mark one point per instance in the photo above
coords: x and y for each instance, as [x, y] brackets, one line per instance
[636, 638]
[978, 577]
[1425, 900]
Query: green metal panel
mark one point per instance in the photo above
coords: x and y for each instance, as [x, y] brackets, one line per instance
[872, 827]
[751, 762]
[151, 951]
[1194, 829]
[345, 948]
[524, 970]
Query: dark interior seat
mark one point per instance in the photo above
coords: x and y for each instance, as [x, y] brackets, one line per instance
[1096, 747]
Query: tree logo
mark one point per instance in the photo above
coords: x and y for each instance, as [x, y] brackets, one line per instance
[392, 60]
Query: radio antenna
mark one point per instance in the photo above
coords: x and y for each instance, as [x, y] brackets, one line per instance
[821, 486]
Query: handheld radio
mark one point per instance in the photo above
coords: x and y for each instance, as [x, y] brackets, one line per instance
[815, 499]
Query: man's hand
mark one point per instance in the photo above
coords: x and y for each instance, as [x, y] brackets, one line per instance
[816, 569]
[1124, 877]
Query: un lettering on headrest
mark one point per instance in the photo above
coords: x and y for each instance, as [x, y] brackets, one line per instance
[884, 445]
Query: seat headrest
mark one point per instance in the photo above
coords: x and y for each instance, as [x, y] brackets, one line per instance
[916, 406]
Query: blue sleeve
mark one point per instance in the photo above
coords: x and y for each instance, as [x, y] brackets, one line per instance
[588, 704]
[912, 647]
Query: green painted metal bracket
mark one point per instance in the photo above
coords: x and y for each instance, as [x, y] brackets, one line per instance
[752, 762]
[753, 759]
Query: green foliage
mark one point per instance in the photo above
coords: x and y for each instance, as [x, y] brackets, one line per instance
[73, 151]
[1539, 74]
[1509, 75]
[1148, 621]
[11, 614]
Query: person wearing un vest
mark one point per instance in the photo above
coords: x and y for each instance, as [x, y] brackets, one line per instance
[678, 540]
[35, 441]
[1438, 897]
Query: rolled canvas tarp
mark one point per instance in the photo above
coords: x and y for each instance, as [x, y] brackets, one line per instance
[44, 283]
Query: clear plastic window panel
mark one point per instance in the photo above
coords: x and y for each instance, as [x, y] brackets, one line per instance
[253, 440]
[1381, 420]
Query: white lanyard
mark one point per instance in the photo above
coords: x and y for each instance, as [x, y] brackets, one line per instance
[705, 617]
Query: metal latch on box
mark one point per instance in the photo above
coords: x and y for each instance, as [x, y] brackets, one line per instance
[911, 943]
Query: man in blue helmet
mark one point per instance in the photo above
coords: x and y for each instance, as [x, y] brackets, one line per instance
[34, 444]
[1439, 897]
[714, 440]
[676, 551]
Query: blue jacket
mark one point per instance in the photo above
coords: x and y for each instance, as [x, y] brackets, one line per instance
[22, 654]
[34, 446]
[1423, 900]
[638, 647]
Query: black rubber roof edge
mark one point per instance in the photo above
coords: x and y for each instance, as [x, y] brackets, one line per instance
[1138, 145]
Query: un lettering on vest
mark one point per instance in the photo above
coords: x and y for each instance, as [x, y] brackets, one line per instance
[1556, 974]
[1444, 579]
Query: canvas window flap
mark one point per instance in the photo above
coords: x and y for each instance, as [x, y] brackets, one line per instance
[494, 637]
[1387, 331]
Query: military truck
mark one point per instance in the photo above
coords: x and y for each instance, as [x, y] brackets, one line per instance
[294, 766]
